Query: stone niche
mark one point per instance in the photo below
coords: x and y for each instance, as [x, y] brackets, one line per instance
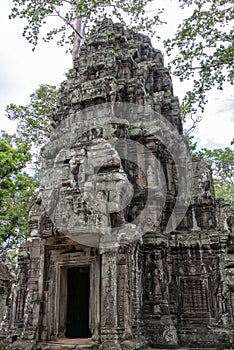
[156, 290]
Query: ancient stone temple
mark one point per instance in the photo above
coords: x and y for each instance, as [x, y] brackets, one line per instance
[6, 279]
[117, 255]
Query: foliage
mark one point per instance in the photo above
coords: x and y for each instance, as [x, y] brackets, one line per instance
[204, 47]
[16, 188]
[39, 13]
[34, 119]
[222, 162]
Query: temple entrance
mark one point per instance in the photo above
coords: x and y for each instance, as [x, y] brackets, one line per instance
[78, 290]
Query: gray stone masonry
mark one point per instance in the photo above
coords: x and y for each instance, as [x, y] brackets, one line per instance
[158, 289]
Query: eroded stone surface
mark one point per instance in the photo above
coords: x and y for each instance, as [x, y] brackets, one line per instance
[163, 289]
[6, 280]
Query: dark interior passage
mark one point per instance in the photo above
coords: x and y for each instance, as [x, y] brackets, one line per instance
[78, 285]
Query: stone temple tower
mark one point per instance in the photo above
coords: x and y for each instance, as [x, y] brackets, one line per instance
[120, 254]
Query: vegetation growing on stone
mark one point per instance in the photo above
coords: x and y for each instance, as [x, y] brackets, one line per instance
[204, 43]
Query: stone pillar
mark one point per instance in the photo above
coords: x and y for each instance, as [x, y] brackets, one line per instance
[34, 296]
[161, 331]
[123, 292]
[109, 314]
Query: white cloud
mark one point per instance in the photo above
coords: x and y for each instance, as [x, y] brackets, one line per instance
[217, 126]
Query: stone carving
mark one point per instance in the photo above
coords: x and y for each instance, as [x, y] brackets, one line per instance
[161, 289]
[6, 280]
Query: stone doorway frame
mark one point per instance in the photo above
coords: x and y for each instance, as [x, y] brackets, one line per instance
[61, 295]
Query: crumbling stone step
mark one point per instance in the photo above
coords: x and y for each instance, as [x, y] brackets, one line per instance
[65, 347]
[62, 346]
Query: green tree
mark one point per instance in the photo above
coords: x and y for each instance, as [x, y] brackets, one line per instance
[73, 17]
[34, 122]
[16, 188]
[203, 43]
[222, 163]
[203, 50]
[35, 119]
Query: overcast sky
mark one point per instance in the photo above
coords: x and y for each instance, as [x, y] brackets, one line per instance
[22, 71]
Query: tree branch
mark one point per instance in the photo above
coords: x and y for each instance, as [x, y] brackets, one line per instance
[196, 120]
[80, 27]
[68, 23]
[209, 65]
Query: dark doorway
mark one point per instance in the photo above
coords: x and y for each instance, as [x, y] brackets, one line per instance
[78, 285]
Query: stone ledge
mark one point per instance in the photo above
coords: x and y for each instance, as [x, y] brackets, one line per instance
[66, 344]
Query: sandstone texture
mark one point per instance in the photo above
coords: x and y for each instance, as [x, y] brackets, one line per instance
[122, 269]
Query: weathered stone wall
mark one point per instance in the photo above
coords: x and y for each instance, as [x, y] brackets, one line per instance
[153, 288]
[6, 278]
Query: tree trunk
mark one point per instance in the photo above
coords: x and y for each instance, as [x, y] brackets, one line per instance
[79, 37]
